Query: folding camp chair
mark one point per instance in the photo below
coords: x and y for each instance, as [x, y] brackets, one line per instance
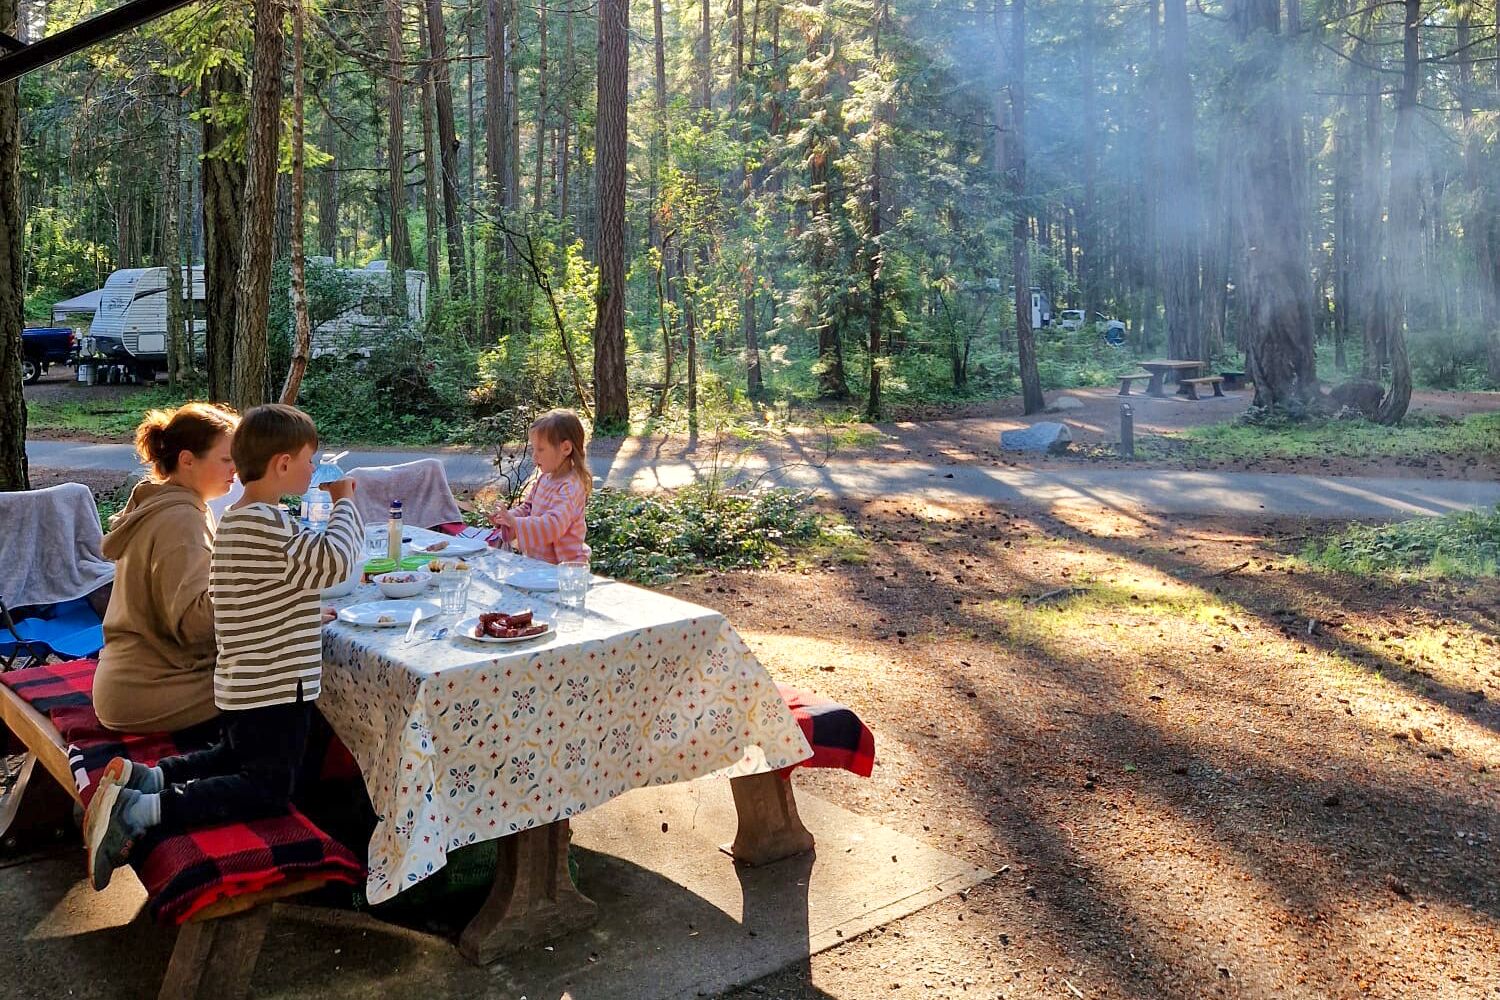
[71, 630]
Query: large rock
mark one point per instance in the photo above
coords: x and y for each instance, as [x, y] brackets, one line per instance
[1062, 404]
[1360, 395]
[1047, 437]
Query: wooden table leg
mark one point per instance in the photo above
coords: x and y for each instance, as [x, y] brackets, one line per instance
[1155, 388]
[533, 899]
[214, 958]
[769, 827]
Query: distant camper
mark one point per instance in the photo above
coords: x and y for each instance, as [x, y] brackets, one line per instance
[129, 332]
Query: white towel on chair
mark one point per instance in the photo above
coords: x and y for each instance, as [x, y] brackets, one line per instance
[51, 546]
[421, 486]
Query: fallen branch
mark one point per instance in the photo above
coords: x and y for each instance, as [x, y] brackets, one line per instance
[1227, 572]
[1060, 594]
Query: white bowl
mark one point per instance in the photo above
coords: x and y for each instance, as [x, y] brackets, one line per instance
[415, 583]
[348, 586]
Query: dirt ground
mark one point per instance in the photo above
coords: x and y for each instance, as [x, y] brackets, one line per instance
[1199, 770]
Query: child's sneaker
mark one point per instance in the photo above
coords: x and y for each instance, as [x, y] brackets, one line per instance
[108, 830]
[130, 774]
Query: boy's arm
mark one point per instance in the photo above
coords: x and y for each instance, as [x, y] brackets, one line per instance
[316, 561]
[538, 530]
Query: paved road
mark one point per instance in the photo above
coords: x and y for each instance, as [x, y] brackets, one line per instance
[1164, 491]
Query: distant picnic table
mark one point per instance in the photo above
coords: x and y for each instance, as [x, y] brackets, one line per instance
[1179, 370]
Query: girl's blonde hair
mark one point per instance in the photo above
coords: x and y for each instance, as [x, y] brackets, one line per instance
[558, 426]
[166, 434]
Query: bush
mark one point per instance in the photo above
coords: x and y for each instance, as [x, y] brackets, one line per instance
[1465, 544]
[654, 539]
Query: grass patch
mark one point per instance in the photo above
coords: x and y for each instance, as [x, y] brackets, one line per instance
[1454, 546]
[651, 539]
[99, 415]
[1478, 434]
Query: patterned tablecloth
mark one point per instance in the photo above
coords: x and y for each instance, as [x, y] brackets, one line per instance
[461, 742]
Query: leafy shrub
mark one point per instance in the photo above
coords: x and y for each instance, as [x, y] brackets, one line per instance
[1464, 544]
[653, 539]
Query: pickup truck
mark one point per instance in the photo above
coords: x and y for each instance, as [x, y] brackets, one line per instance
[43, 347]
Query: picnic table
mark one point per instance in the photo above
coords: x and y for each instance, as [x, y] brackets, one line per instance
[461, 742]
[1159, 370]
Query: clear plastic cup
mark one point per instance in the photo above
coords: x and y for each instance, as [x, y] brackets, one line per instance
[453, 591]
[573, 584]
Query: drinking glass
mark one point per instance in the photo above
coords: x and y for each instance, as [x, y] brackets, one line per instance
[375, 543]
[573, 584]
[453, 591]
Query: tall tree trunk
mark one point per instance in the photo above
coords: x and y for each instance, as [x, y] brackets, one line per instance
[302, 325]
[513, 105]
[1279, 315]
[447, 138]
[541, 109]
[471, 141]
[328, 180]
[495, 149]
[1478, 222]
[223, 216]
[832, 381]
[874, 252]
[14, 474]
[659, 127]
[263, 150]
[429, 163]
[569, 68]
[1402, 256]
[401, 255]
[1010, 156]
[705, 60]
[612, 403]
[1181, 218]
[179, 340]
[1088, 271]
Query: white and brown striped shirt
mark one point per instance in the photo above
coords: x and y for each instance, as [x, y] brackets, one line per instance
[267, 575]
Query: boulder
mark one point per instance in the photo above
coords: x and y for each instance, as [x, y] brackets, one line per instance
[1360, 395]
[1047, 437]
[1063, 404]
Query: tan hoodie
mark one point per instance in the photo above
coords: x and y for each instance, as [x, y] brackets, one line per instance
[156, 672]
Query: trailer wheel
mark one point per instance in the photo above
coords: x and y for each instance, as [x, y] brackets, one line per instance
[31, 370]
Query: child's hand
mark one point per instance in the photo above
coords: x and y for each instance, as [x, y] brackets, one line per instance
[340, 489]
[329, 614]
[503, 518]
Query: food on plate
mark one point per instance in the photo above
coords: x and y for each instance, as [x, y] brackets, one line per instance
[436, 546]
[386, 620]
[435, 566]
[461, 565]
[499, 625]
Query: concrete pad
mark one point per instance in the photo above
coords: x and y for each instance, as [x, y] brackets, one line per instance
[677, 917]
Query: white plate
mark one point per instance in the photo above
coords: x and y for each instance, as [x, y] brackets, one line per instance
[534, 579]
[465, 630]
[399, 612]
[456, 548]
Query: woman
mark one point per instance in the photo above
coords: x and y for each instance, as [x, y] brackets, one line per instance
[156, 672]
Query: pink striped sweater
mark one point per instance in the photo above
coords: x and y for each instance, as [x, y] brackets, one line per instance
[550, 523]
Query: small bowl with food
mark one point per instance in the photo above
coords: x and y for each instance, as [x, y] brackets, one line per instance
[403, 583]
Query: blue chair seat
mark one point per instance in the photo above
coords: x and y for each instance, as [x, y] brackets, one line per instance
[71, 630]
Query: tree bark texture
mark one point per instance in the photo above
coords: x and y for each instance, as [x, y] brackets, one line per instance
[447, 138]
[179, 340]
[537, 187]
[611, 401]
[263, 152]
[1180, 214]
[1011, 156]
[1278, 310]
[401, 254]
[223, 217]
[13, 468]
[302, 324]
[328, 179]
[1402, 262]
[429, 166]
[495, 150]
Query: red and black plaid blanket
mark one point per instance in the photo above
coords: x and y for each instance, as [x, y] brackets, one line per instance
[837, 736]
[182, 873]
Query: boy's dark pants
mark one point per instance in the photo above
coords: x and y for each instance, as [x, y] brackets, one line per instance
[249, 774]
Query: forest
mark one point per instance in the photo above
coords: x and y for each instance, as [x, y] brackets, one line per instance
[652, 211]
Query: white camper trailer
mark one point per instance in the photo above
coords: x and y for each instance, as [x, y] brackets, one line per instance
[129, 331]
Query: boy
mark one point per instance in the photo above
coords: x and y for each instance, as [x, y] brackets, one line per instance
[265, 577]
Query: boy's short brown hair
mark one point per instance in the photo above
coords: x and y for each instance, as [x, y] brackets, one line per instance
[267, 431]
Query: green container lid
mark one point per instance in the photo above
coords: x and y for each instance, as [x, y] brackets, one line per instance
[377, 566]
[415, 562]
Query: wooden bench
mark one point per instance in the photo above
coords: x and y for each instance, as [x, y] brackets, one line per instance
[217, 947]
[1189, 386]
[1127, 380]
[1233, 380]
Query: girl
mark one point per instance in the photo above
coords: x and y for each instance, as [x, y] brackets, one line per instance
[549, 524]
[157, 668]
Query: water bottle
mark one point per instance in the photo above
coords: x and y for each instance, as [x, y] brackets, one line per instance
[317, 504]
[393, 532]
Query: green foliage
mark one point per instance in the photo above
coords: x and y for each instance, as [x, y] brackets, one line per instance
[652, 539]
[1463, 544]
[1477, 435]
[58, 263]
[108, 416]
[407, 392]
